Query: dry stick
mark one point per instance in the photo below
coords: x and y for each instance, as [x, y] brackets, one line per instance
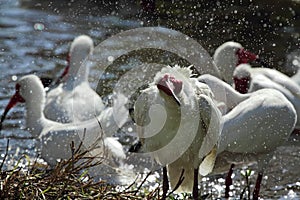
[100, 126]
[61, 191]
[143, 182]
[71, 161]
[76, 155]
[154, 194]
[128, 187]
[65, 178]
[88, 161]
[80, 144]
[72, 146]
[180, 180]
[5, 156]
[100, 138]
[31, 169]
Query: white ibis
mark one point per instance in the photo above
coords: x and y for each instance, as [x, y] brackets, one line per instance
[179, 125]
[248, 79]
[74, 99]
[255, 128]
[55, 138]
[228, 56]
[264, 119]
[224, 94]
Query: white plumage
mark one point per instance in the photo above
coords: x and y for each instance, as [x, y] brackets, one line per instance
[55, 138]
[259, 78]
[255, 124]
[258, 125]
[179, 129]
[228, 55]
[74, 99]
[263, 117]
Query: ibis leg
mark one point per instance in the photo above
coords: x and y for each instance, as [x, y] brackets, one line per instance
[165, 183]
[228, 181]
[257, 186]
[195, 186]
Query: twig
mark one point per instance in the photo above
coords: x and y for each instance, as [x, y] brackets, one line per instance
[180, 180]
[5, 156]
[143, 182]
[80, 144]
[128, 187]
[72, 145]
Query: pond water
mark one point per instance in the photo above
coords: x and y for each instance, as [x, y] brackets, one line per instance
[35, 38]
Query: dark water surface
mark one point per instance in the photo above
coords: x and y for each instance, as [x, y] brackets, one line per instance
[35, 38]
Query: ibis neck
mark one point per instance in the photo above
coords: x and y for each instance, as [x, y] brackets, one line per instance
[226, 64]
[233, 97]
[77, 73]
[35, 116]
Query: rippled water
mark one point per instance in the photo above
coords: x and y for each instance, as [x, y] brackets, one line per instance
[35, 38]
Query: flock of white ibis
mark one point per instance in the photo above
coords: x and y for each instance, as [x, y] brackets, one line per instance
[187, 124]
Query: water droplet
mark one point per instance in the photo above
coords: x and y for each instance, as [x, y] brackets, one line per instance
[110, 58]
[39, 26]
[295, 62]
[14, 78]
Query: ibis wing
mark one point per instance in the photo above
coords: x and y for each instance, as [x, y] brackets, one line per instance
[141, 108]
[208, 162]
[211, 120]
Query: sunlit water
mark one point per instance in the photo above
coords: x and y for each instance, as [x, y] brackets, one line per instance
[37, 41]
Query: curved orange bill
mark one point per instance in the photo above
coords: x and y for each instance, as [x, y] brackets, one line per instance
[13, 101]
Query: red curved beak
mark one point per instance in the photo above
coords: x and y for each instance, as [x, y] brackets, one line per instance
[167, 86]
[173, 93]
[246, 56]
[13, 101]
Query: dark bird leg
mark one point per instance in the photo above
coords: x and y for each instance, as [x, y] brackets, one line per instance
[165, 183]
[228, 181]
[195, 186]
[257, 186]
